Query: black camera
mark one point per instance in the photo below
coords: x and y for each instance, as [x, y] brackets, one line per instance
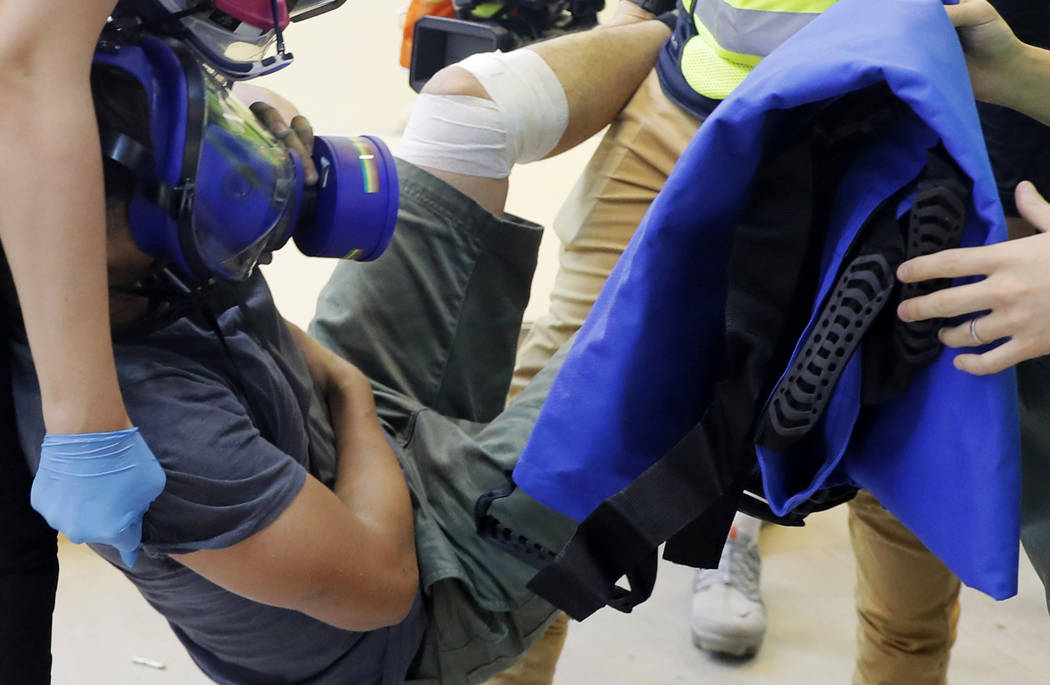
[486, 26]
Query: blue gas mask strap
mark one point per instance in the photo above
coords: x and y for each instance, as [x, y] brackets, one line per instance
[138, 160]
[195, 117]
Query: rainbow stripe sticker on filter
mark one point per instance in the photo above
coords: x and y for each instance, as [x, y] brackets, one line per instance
[357, 199]
[369, 172]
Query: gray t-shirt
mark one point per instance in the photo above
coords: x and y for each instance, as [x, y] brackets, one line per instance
[236, 433]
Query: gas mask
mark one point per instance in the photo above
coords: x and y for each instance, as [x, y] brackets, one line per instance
[216, 192]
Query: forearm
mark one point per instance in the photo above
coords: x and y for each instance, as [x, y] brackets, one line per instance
[56, 251]
[369, 480]
[1027, 88]
[344, 556]
[600, 70]
[56, 248]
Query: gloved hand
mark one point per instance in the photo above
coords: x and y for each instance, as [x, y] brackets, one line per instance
[95, 487]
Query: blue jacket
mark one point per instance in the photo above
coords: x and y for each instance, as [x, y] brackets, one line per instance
[944, 458]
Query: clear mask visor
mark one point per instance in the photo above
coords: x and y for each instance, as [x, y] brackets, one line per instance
[246, 191]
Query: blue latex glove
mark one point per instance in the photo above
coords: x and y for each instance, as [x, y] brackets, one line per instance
[95, 487]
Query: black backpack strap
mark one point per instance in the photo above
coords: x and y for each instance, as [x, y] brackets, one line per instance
[571, 591]
[621, 536]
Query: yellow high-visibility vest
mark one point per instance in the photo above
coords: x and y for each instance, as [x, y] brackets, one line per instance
[732, 36]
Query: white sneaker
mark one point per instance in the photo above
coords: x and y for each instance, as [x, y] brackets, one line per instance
[728, 614]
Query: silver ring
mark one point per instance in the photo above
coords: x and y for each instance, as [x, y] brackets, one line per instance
[973, 331]
[283, 133]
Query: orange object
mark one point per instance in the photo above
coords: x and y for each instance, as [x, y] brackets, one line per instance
[422, 8]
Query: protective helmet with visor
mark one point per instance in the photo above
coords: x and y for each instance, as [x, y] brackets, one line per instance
[240, 38]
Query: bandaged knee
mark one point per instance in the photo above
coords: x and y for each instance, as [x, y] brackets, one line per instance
[522, 122]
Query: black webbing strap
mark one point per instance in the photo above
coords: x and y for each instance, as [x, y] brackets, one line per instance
[621, 536]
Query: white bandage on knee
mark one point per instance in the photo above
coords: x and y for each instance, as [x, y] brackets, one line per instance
[457, 133]
[525, 118]
[529, 96]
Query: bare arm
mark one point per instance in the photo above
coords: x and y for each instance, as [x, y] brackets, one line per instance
[1014, 289]
[1030, 91]
[347, 556]
[1004, 71]
[56, 248]
[600, 69]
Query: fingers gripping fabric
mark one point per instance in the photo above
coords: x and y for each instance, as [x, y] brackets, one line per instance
[935, 223]
[523, 120]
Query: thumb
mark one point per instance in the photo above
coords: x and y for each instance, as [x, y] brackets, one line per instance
[969, 12]
[129, 556]
[1033, 208]
[127, 543]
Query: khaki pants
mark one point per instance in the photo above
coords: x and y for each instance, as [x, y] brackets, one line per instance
[597, 220]
[906, 599]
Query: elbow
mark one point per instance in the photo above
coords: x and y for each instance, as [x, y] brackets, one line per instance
[400, 598]
[385, 606]
[397, 584]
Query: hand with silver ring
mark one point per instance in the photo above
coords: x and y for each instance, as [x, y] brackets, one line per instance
[973, 332]
[298, 136]
[1015, 293]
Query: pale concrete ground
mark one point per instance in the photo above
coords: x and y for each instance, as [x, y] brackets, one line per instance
[101, 624]
[347, 80]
